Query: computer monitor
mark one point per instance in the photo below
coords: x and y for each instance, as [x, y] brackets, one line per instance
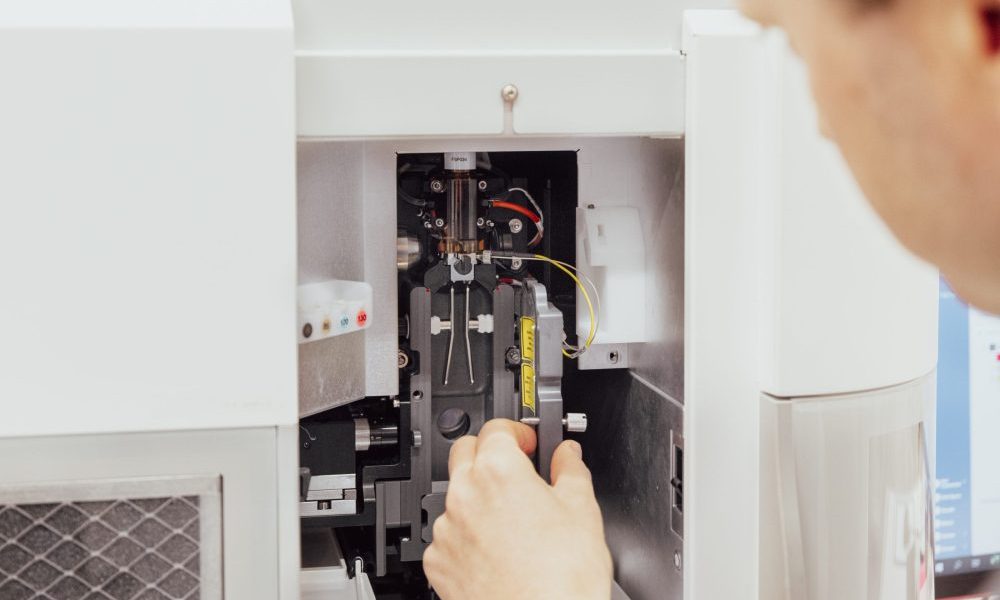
[967, 486]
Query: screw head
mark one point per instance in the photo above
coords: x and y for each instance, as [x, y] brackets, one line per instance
[482, 185]
[480, 222]
[439, 222]
[516, 264]
[509, 92]
[307, 330]
[613, 357]
[516, 225]
[437, 186]
[403, 359]
[513, 356]
[677, 559]
[417, 395]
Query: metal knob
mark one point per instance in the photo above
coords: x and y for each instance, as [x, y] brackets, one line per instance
[575, 422]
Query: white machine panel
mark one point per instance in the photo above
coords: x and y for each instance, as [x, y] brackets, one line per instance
[147, 221]
[400, 69]
[845, 307]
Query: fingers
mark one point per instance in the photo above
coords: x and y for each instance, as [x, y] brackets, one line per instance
[501, 430]
[570, 477]
[462, 455]
[439, 569]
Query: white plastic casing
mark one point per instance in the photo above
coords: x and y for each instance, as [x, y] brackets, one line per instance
[844, 307]
[614, 257]
[332, 308]
[147, 221]
[795, 296]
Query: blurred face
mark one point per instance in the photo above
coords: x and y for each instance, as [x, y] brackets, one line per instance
[910, 91]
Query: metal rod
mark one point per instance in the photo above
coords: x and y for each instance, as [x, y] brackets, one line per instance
[451, 337]
[468, 345]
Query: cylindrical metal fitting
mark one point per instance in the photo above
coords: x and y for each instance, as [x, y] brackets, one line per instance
[362, 435]
[407, 252]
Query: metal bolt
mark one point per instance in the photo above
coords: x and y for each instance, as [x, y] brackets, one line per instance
[513, 356]
[428, 225]
[482, 185]
[418, 439]
[677, 559]
[490, 223]
[437, 186]
[509, 92]
[516, 263]
[307, 330]
[439, 222]
[395, 402]
[480, 222]
[403, 359]
[417, 395]
[613, 357]
[516, 225]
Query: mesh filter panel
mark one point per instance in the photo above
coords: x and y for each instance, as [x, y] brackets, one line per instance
[119, 548]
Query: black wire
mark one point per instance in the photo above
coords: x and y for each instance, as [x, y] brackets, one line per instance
[411, 200]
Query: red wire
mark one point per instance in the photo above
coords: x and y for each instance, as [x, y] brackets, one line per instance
[518, 209]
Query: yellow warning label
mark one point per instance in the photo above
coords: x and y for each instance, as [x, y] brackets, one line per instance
[528, 339]
[528, 364]
[528, 387]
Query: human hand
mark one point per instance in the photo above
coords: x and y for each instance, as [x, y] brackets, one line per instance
[506, 534]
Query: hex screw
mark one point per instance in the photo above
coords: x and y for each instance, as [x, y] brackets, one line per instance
[437, 186]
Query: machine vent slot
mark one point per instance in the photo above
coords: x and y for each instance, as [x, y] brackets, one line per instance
[110, 541]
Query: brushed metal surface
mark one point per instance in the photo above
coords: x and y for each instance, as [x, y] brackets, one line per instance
[660, 361]
[627, 447]
[331, 373]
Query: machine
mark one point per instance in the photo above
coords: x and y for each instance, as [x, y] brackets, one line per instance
[480, 337]
[262, 266]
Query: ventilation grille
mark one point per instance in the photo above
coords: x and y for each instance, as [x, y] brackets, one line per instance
[122, 549]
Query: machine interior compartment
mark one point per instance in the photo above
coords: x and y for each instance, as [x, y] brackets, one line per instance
[480, 328]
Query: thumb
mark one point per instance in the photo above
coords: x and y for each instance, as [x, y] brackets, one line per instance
[570, 477]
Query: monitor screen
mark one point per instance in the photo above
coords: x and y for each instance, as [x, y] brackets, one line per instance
[967, 487]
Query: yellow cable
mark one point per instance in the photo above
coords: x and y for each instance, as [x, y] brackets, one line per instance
[586, 297]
